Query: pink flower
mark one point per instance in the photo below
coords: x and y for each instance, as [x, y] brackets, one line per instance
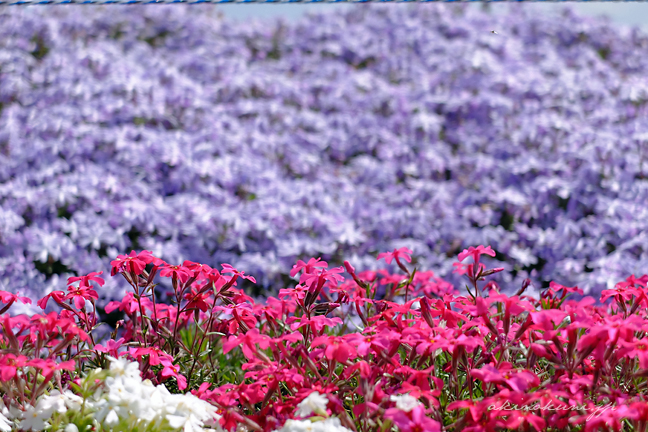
[112, 347]
[202, 269]
[49, 366]
[229, 269]
[249, 341]
[307, 267]
[171, 370]
[336, 348]
[317, 322]
[521, 417]
[128, 305]
[379, 342]
[476, 252]
[183, 274]
[85, 280]
[80, 294]
[396, 254]
[133, 262]
[316, 280]
[56, 295]
[413, 421]
[518, 380]
[7, 297]
[156, 355]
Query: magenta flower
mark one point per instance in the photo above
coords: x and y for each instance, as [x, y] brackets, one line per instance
[7, 297]
[133, 262]
[128, 304]
[317, 322]
[413, 421]
[200, 270]
[229, 269]
[181, 273]
[112, 347]
[171, 370]
[476, 252]
[85, 280]
[308, 267]
[79, 295]
[396, 254]
[248, 342]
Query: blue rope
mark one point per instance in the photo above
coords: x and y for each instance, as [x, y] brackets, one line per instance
[57, 2]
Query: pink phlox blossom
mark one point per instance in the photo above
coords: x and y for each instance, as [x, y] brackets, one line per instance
[396, 254]
[85, 280]
[112, 347]
[134, 262]
[317, 322]
[7, 297]
[476, 252]
[79, 295]
[517, 379]
[248, 342]
[128, 304]
[229, 269]
[181, 273]
[308, 267]
[336, 348]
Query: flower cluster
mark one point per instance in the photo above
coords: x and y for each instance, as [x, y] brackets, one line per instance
[119, 401]
[173, 130]
[328, 354]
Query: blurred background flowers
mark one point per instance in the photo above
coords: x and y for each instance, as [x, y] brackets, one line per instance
[178, 130]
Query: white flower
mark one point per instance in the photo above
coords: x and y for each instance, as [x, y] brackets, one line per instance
[331, 424]
[314, 403]
[112, 418]
[58, 402]
[123, 368]
[11, 413]
[33, 420]
[156, 398]
[122, 400]
[189, 412]
[213, 422]
[405, 402]
[5, 423]
[187, 424]
[71, 428]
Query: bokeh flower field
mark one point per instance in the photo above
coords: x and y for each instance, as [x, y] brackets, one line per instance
[184, 202]
[170, 129]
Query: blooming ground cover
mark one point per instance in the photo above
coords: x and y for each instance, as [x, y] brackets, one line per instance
[342, 135]
[326, 355]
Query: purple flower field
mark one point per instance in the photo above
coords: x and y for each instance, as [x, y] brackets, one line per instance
[169, 129]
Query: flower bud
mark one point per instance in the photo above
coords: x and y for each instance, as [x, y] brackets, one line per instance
[426, 312]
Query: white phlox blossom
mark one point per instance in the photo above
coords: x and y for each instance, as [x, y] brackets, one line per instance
[124, 398]
[314, 403]
[58, 402]
[128, 397]
[190, 413]
[7, 415]
[121, 367]
[331, 424]
[33, 420]
[5, 423]
[405, 402]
